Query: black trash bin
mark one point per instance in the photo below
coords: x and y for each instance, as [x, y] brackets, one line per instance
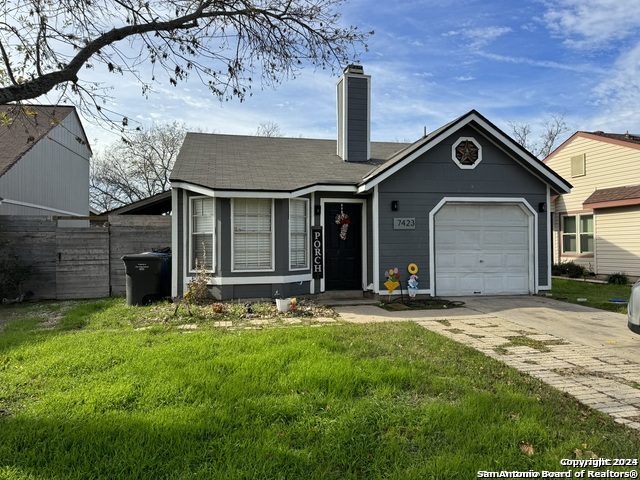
[148, 277]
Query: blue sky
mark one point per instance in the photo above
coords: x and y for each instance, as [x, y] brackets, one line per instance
[434, 60]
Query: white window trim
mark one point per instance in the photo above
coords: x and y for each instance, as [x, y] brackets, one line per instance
[233, 240]
[579, 233]
[308, 229]
[213, 235]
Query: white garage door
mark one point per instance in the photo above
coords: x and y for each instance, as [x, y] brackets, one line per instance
[481, 250]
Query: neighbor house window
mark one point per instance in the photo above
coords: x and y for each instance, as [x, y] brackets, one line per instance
[252, 234]
[577, 234]
[586, 233]
[202, 233]
[298, 235]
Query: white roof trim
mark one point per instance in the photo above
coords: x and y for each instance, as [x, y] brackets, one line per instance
[473, 116]
[263, 194]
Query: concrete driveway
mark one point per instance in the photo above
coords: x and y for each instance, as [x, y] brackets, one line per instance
[574, 323]
[587, 353]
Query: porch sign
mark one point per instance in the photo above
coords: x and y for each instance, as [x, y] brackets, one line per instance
[316, 248]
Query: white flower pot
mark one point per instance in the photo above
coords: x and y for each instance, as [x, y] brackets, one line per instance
[283, 304]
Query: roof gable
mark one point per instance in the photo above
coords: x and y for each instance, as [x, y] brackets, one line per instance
[475, 119]
[23, 126]
[622, 140]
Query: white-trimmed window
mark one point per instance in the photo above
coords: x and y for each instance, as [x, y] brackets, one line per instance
[202, 232]
[298, 234]
[577, 234]
[252, 227]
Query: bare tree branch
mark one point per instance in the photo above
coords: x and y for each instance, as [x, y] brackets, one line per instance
[131, 170]
[552, 129]
[47, 45]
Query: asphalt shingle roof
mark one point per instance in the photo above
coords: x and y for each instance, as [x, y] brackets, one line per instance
[623, 137]
[236, 162]
[23, 130]
[614, 194]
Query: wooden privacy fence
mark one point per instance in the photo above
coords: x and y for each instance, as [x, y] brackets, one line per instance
[81, 258]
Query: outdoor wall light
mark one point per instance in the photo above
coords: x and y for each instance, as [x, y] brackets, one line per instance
[542, 207]
[318, 209]
[395, 205]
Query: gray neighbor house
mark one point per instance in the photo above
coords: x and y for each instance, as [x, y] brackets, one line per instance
[465, 206]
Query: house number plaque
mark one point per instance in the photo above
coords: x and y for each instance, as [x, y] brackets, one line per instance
[404, 223]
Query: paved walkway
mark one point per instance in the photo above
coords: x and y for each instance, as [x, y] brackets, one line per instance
[587, 353]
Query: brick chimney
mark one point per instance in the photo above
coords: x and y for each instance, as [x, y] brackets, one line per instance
[354, 110]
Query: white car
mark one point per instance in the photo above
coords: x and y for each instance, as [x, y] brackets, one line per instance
[634, 309]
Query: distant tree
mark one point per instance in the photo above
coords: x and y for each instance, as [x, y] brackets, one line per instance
[131, 170]
[551, 128]
[46, 46]
[269, 129]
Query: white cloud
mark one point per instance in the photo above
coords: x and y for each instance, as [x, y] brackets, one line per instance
[467, 78]
[592, 23]
[481, 37]
[551, 64]
[621, 88]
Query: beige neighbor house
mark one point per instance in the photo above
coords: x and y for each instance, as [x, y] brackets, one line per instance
[598, 224]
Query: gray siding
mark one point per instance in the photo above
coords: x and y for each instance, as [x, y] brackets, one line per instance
[357, 122]
[422, 184]
[53, 174]
[223, 246]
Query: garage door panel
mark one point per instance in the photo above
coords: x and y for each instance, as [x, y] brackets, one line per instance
[494, 284]
[482, 249]
[468, 240]
[447, 260]
[493, 261]
[470, 283]
[493, 239]
[517, 260]
[446, 239]
[467, 261]
[517, 238]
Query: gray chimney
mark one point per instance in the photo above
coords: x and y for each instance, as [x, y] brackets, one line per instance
[354, 108]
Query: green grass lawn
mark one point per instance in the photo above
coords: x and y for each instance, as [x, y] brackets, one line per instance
[90, 395]
[598, 295]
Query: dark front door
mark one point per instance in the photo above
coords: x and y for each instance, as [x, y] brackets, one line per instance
[343, 254]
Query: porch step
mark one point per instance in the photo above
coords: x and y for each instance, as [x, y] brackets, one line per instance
[340, 298]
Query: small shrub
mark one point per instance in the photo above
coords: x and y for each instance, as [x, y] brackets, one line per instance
[618, 278]
[574, 270]
[198, 289]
